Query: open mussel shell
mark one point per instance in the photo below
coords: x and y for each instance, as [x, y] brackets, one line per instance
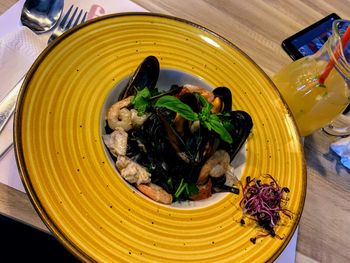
[226, 97]
[173, 137]
[146, 75]
[195, 139]
[243, 124]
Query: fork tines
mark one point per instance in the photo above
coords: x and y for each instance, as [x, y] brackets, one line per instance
[64, 25]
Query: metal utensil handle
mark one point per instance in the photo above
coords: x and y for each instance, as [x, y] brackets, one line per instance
[7, 105]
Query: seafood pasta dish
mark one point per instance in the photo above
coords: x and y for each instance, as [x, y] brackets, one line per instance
[176, 144]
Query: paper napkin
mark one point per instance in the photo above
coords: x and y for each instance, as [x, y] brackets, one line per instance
[18, 51]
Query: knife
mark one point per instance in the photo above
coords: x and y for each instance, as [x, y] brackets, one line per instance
[6, 139]
[8, 104]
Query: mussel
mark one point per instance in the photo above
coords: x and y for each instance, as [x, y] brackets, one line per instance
[225, 96]
[146, 75]
[191, 144]
[242, 125]
[218, 185]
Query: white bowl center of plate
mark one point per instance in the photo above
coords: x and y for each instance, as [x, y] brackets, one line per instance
[168, 77]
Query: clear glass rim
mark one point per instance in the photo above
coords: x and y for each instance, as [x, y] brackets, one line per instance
[335, 43]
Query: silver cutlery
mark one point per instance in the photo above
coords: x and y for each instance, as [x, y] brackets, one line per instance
[41, 15]
[7, 105]
[66, 24]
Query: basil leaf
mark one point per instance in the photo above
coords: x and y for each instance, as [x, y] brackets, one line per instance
[208, 120]
[207, 106]
[217, 126]
[174, 104]
[205, 113]
[211, 121]
[141, 100]
[191, 189]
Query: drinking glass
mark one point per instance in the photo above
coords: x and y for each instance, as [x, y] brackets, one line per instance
[316, 87]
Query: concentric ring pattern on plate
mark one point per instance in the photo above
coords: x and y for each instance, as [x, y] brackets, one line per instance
[75, 188]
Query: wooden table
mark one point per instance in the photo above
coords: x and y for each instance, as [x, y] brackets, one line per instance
[258, 27]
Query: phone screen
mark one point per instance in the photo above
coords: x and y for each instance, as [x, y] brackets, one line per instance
[311, 39]
[309, 44]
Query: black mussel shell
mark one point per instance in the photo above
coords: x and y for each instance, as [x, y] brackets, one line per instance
[174, 138]
[192, 147]
[191, 100]
[199, 143]
[146, 75]
[242, 125]
[148, 146]
[226, 97]
[146, 151]
[225, 188]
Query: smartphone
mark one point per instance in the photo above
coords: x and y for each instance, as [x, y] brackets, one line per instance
[309, 40]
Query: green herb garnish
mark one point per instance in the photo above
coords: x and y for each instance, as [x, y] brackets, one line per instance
[208, 119]
[141, 101]
[188, 189]
[174, 104]
[212, 121]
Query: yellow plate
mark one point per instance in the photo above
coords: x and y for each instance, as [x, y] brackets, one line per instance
[74, 186]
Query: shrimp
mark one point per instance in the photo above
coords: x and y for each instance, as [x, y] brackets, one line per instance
[204, 92]
[215, 166]
[117, 141]
[132, 171]
[137, 120]
[156, 193]
[119, 116]
[231, 178]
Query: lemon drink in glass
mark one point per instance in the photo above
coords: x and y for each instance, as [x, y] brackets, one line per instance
[316, 87]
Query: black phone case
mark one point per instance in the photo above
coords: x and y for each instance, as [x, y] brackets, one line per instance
[287, 44]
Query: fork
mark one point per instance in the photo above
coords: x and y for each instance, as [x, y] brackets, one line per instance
[64, 25]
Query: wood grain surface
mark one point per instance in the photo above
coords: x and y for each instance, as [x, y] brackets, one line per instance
[258, 28]
[6, 4]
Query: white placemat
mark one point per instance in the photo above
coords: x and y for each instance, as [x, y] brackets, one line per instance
[15, 63]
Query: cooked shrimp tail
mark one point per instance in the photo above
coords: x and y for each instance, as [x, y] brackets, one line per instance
[119, 116]
[215, 166]
[156, 193]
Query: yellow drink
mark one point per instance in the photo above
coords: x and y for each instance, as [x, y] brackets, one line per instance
[313, 106]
